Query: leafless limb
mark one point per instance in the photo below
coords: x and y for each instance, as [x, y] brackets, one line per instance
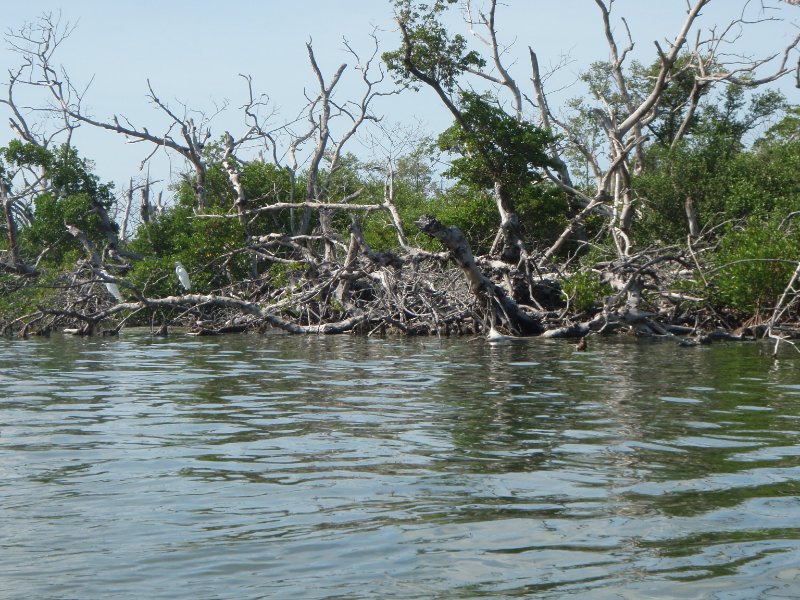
[504, 79]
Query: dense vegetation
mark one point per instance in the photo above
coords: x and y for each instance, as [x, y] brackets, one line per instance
[697, 217]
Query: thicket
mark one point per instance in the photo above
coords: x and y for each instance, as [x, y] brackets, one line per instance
[745, 195]
[696, 217]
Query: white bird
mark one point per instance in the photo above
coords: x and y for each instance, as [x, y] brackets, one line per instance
[183, 276]
[112, 288]
[496, 336]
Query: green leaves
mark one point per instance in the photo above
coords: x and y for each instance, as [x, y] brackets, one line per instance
[755, 265]
[723, 180]
[494, 147]
[585, 290]
[74, 195]
[69, 174]
[428, 48]
[22, 154]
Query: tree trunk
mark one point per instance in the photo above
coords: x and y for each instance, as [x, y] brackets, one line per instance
[691, 217]
[510, 234]
[11, 229]
[128, 202]
[241, 198]
[481, 286]
[144, 211]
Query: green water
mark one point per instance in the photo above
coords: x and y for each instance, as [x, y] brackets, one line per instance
[342, 467]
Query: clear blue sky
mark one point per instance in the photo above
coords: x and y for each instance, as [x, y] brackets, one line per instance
[192, 51]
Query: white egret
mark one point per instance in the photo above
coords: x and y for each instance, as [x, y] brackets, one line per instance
[112, 287]
[183, 276]
[496, 336]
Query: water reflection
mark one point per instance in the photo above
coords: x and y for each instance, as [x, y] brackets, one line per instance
[316, 467]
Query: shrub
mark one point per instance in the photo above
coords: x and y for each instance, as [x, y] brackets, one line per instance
[754, 265]
[584, 288]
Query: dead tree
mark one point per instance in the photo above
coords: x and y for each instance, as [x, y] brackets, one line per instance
[620, 114]
[623, 122]
[321, 110]
[15, 262]
[37, 44]
[322, 115]
[494, 297]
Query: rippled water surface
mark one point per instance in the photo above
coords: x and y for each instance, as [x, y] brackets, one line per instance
[340, 467]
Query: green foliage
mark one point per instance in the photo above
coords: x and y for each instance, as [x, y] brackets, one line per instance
[74, 196]
[50, 215]
[169, 235]
[724, 179]
[599, 78]
[755, 264]
[585, 291]
[201, 244]
[786, 131]
[762, 184]
[735, 114]
[433, 53]
[267, 184]
[414, 195]
[163, 241]
[584, 288]
[415, 169]
[379, 231]
[671, 110]
[473, 212]
[21, 296]
[281, 274]
[541, 210]
[543, 214]
[346, 179]
[69, 175]
[154, 277]
[494, 147]
[209, 262]
[210, 246]
[22, 154]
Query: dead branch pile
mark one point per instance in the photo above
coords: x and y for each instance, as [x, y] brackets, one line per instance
[338, 283]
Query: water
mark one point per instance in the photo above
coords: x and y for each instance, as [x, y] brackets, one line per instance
[340, 467]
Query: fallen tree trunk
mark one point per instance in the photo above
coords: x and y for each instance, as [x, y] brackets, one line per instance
[202, 300]
[323, 328]
[484, 289]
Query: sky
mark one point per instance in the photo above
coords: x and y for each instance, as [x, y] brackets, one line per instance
[193, 52]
